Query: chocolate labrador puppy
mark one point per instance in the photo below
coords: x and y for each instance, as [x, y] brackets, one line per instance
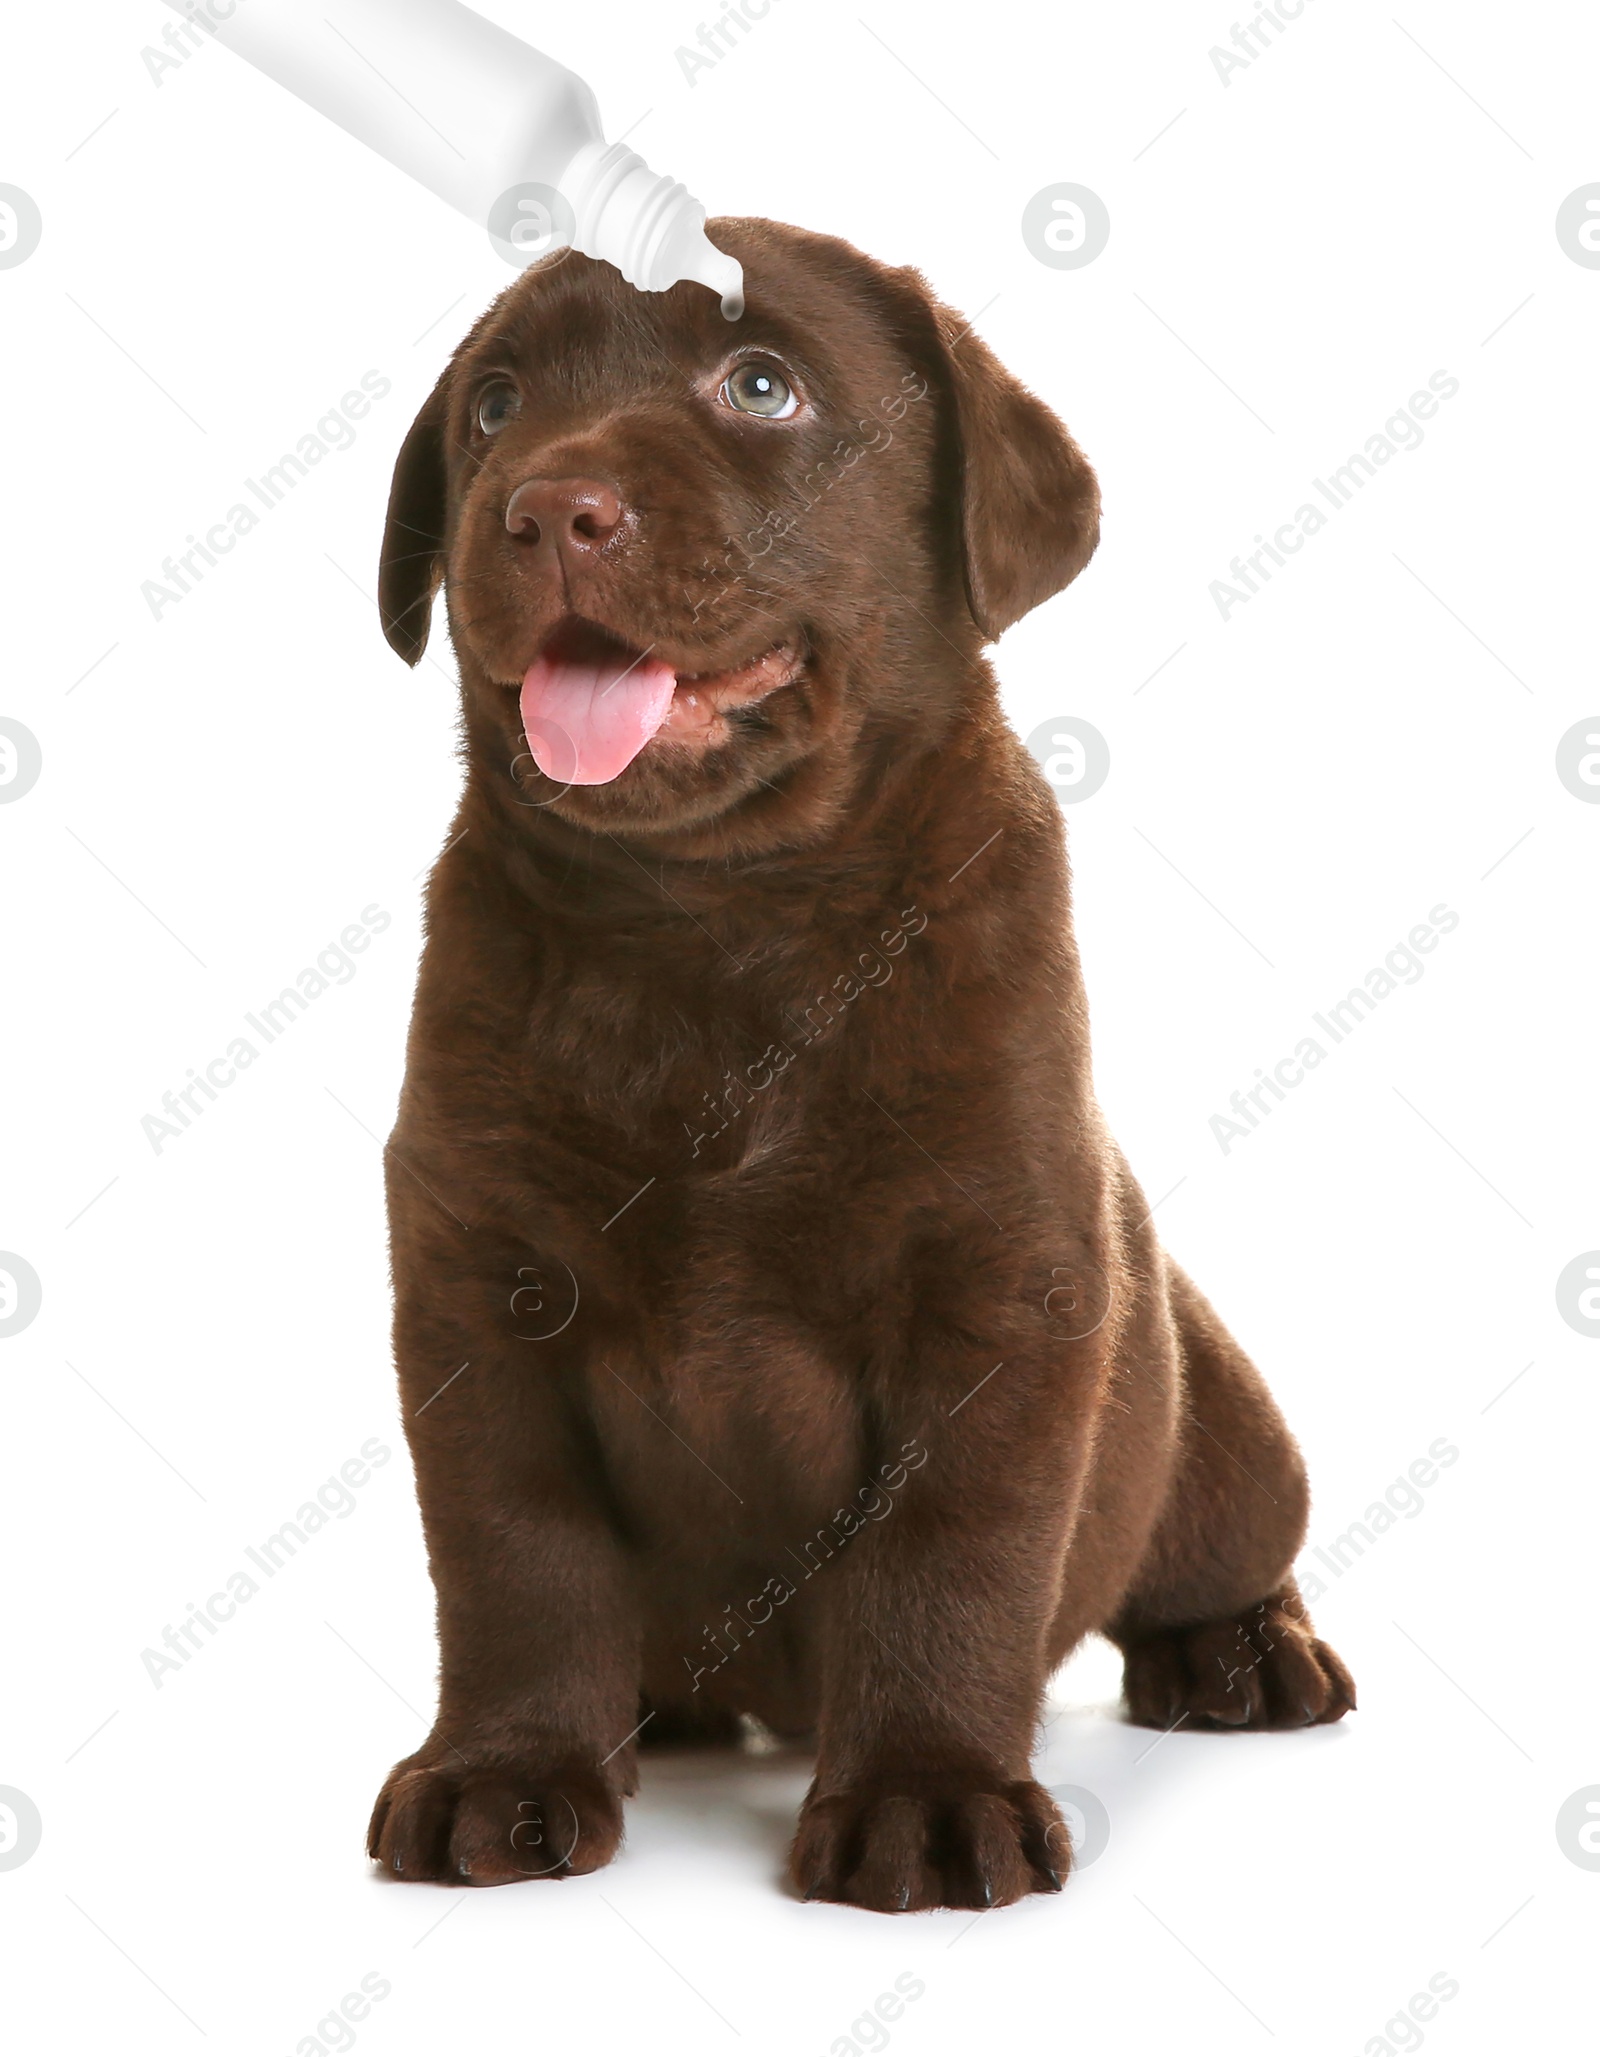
[780, 1333]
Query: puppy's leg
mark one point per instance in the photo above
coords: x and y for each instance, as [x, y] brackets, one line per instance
[523, 1774]
[935, 1627]
[1214, 1632]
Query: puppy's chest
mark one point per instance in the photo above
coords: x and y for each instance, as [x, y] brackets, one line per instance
[761, 1413]
[734, 1063]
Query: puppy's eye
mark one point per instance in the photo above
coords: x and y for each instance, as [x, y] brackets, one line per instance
[759, 388]
[498, 404]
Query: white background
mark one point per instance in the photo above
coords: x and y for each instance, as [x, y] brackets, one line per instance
[226, 788]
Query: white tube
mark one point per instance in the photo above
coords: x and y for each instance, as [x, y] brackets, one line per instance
[500, 131]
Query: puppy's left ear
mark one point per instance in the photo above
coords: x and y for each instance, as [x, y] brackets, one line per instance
[412, 563]
[1029, 500]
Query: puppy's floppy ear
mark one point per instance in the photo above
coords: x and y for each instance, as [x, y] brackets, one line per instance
[1029, 501]
[412, 563]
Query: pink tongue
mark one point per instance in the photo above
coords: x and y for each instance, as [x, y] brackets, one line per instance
[587, 722]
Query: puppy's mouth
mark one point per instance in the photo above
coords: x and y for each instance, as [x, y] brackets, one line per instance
[590, 702]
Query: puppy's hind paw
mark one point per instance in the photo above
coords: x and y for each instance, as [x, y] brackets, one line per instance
[1261, 1669]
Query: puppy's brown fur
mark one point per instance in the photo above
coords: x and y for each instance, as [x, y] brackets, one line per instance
[818, 1359]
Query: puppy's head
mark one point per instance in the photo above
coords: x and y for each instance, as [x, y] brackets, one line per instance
[700, 573]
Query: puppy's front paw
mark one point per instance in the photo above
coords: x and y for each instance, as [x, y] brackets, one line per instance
[898, 1842]
[493, 1824]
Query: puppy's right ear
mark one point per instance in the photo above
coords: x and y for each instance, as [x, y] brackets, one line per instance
[412, 563]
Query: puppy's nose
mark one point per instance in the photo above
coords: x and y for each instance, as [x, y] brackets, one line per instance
[570, 514]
